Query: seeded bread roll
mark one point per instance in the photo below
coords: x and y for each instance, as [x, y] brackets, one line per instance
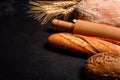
[83, 44]
[103, 66]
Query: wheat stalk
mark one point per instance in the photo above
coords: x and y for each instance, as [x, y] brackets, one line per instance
[43, 11]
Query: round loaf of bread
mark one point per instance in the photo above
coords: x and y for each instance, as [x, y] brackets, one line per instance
[103, 66]
[99, 11]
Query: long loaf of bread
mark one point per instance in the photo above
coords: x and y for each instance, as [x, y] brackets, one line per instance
[83, 44]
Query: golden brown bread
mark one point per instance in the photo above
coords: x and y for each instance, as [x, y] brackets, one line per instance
[83, 44]
[103, 66]
[70, 42]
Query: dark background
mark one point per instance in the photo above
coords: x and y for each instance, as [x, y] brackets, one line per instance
[25, 53]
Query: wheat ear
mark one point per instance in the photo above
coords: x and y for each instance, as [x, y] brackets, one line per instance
[43, 11]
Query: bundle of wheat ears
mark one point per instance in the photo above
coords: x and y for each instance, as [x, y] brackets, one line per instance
[43, 11]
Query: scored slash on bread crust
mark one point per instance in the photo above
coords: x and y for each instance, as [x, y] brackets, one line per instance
[82, 44]
[70, 42]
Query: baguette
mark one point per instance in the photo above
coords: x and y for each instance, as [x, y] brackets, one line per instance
[83, 44]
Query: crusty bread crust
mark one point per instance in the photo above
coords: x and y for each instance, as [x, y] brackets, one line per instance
[82, 44]
[99, 11]
[103, 66]
[70, 42]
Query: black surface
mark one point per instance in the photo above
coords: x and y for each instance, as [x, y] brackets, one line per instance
[25, 53]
